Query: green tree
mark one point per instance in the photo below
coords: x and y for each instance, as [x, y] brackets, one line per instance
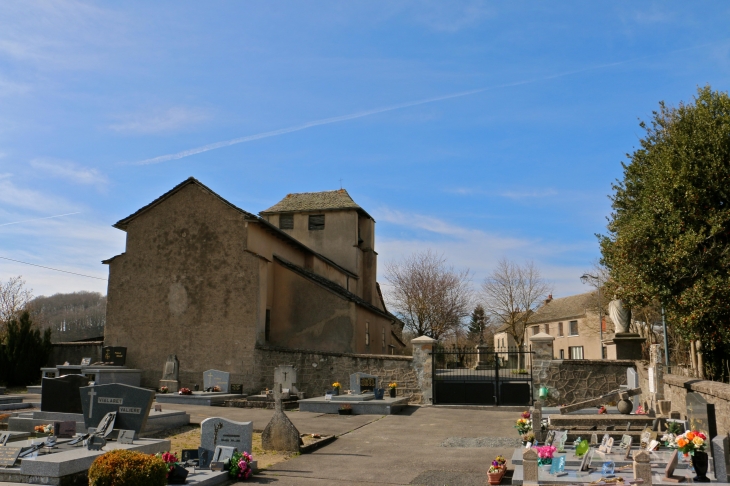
[669, 232]
[24, 353]
[477, 324]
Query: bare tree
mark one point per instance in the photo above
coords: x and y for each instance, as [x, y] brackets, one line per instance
[431, 298]
[14, 296]
[511, 293]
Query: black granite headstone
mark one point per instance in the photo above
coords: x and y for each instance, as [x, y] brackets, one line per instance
[237, 388]
[131, 403]
[62, 394]
[114, 355]
[701, 415]
[65, 429]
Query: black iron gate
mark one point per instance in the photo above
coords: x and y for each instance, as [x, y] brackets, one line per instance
[482, 376]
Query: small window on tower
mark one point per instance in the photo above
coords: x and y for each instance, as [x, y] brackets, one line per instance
[367, 334]
[267, 325]
[316, 222]
[286, 221]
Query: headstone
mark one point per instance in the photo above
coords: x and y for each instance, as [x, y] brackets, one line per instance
[85, 361]
[132, 405]
[126, 437]
[217, 378]
[217, 431]
[632, 381]
[286, 375]
[114, 355]
[720, 455]
[362, 382]
[62, 394]
[701, 415]
[65, 429]
[280, 434]
[172, 368]
[529, 466]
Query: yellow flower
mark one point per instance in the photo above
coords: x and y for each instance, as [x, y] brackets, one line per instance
[336, 384]
[698, 441]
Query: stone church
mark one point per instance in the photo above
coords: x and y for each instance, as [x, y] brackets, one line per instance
[217, 285]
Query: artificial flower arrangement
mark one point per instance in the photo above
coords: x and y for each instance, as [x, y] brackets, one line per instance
[687, 443]
[528, 437]
[164, 389]
[602, 410]
[216, 388]
[545, 454]
[346, 406]
[169, 459]
[184, 391]
[640, 410]
[240, 466]
[393, 385]
[43, 429]
[336, 385]
[524, 424]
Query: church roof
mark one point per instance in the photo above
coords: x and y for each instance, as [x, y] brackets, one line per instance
[315, 201]
[565, 308]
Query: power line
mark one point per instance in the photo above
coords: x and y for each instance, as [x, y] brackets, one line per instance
[38, 219]
[55, 269]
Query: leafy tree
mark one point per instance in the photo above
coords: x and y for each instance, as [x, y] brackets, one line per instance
[669, 232]
[478, 324]
[24, 353]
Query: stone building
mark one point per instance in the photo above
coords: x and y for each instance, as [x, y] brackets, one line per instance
[216, 285]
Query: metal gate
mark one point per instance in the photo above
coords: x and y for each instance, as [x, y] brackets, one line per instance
[482, 376]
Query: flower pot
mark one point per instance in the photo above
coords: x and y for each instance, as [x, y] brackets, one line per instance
[495, 478]
[335, 391]
[392, 393]
[178, 475]
[544, 462]
[345, 411]
[379, 392]
[699, 462]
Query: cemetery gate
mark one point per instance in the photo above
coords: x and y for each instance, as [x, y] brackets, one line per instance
[482, 375]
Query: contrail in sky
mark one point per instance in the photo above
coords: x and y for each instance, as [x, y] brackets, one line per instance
[360, 114]
[38, 219]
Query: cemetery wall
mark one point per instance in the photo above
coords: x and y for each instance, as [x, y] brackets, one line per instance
[75, 352]
[571, 381]
[317, 370]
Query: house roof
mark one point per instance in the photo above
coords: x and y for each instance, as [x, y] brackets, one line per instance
[315, 201]
[122, 224]
[565, 308]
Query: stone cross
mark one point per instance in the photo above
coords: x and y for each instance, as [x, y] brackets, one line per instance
[537, 424]
[642, 467]
[277, 397]
[92, 394]
[529, 466]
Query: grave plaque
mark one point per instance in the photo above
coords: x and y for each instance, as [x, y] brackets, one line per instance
[362, 382]
[8, 456]
[158, 408]
[223, 454]
[236, 388]
[218, 378]
[131, 404]
[217, 431]
[95, 443]
[85, 361]
[550, 438]
[126, 437]
[114, 355]
[669, 470]
[172, 369]
[204, 457]
[65, 429]
[701, 415]
[189, 455]
[62, 394]
[558, 465]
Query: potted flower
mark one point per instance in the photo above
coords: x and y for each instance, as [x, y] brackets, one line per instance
[693, 443]
[391, 388]
[43, 430]
[240, 466]
[176, 473]
[545, 454]
[164, 389]
[345, 409]
[336, 388]
[497, 470]
[528, 437]
[184, 391]
[523, 424]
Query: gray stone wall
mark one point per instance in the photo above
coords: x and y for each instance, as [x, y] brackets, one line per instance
[571, 381]
[317, 370]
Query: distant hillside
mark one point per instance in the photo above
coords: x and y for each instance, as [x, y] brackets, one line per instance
[72, 317]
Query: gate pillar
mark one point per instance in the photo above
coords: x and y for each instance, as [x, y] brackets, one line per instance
[542, 346]
[423, 365]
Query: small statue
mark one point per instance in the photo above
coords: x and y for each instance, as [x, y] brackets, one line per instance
[620, 315]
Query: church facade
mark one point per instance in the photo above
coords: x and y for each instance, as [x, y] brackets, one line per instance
[215, 285]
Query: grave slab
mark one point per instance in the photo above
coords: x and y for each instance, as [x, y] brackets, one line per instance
[386, 406]
[197, 398]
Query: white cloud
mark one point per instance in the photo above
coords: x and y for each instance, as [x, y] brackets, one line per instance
[529, 194]
[70, 171]
[13, 195]
[160, 121]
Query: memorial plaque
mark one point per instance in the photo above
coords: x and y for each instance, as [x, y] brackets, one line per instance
[645, 438]
[8, 456]
[701, 415]
[131, 404]
[217, 378]
[362, 383]
[223, 454]
[204, 457]
[65, 429]
[62, 394]
[95, 443]
[237, 388]
[158, 408]
[189, 455]
[671, 466]
[126, 437]
[114, 355]
[550, 438]
[586, 460]
[85, 361]
[558, 465]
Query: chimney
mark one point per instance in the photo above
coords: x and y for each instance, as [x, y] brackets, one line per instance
[549, 298]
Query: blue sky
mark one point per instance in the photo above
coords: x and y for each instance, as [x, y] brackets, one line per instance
[478, 129]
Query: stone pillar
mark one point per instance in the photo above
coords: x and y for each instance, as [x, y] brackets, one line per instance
[537, 422]
[529, 466]
[656, 377]
[422, 349]
[624, 345]
[542, 346]
[642, 467]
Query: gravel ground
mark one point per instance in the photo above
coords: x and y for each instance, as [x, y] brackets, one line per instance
[498, 442]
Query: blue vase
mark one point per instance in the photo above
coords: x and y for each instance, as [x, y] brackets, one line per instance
[379, 392]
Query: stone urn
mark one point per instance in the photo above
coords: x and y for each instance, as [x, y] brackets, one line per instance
[625, 406]
[665, 407]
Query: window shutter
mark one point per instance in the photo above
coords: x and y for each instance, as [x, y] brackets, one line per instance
[316, 222]
[286, 221]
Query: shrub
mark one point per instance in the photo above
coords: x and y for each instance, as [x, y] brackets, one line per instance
[127, 468]
[25, 352]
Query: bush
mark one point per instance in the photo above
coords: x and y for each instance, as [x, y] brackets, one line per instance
[127, 468]
[24, 353]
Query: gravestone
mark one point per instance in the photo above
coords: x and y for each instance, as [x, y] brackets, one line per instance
[171, 374]
[131, 404]
[642, 467]
[114, 355]
[720, 455]
[280, 434]
[632, 381]
[62, 394]
[217, 378]
[363, 382]
[217, 431]
[701, 415]
[529, 466]
[286, 375]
